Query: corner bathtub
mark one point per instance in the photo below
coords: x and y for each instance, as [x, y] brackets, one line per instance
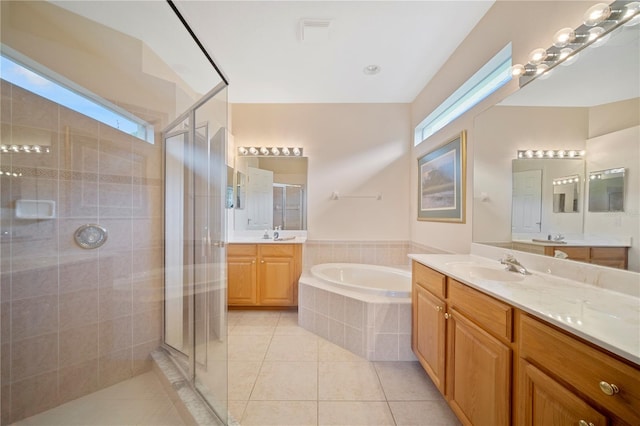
[365, 309]
[373, 279]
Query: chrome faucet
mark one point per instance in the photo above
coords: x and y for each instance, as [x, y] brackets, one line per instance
[276, 233]
[513, 264]
[557, 237]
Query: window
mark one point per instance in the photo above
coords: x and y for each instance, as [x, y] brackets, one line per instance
[57, 89]
[493, 75]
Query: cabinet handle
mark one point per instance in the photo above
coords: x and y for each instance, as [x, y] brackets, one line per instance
[253, 261]
[439, 308]
[262, 261]
[447, 315]
[585, 423]
[608, 389]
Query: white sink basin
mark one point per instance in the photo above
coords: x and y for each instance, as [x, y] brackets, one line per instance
[485, 273]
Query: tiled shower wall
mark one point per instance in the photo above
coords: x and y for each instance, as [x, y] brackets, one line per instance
[385, 253]
[76, 320]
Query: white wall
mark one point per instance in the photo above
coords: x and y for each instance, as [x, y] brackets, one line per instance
[528, 25]
[354, 149]
[501, 131]
[613, 150]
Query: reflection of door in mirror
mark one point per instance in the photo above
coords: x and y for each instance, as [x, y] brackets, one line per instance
[259, 199]
[527, 201]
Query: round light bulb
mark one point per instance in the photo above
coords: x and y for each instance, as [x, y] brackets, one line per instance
[529, 153]
[596, 14]
[596, 36]
[561, 154]
[568, 55]
[275, 151]
[286, 151]
[537, 56]
[264, 151]
[296, 151]
[550, 154]
[253, 150]
[564, 37]
[517, 70]
[243, 151]
[539, 153]
[582, 153]
[542, 71]
[631, 9]
[572, 154]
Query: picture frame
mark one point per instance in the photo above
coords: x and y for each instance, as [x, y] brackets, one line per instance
[442, 180]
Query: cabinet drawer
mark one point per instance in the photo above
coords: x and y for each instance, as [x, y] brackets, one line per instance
[492, 315]
[582, 367]
[242, 250]
[608, 252]
[277, 250]
[431, 280]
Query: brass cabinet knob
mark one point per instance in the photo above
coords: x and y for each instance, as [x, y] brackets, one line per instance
[262, 261]
[253, 261]
[439, 308]
[585, 423]
[447, 315]
[608, 388]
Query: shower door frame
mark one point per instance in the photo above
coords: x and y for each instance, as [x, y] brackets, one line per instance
[189, 355]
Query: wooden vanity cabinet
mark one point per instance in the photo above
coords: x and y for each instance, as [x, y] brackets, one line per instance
[613, 257]
[429, 327]
[610, 386]
[455, 340]
[263, 274]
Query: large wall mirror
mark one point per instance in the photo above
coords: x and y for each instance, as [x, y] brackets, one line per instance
[270, 193]
[591, 105]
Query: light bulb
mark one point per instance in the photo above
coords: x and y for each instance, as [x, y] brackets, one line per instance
[564, 37]
[296, 151]
[550, 154]
[596, 38]
[561, 154]
[537, 56]
[264, 151]
[542, 69]
[572, 154]
[631, 9]
[286, 151]
[243, 151]
[275, 151]
[568, 55]
[529, 153]
[517, 70]
[253, 150]
[596, 14]
[539, 153]
[582, 153]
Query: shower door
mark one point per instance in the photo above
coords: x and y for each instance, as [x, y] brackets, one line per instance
[195, 253]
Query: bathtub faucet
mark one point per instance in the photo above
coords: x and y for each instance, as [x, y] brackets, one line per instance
[513, 265]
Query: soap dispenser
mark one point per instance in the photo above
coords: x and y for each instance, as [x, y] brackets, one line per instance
[266, 235]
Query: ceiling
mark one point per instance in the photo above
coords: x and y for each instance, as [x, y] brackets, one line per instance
[258, 47]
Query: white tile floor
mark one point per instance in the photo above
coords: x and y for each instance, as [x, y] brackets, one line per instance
[279, 374]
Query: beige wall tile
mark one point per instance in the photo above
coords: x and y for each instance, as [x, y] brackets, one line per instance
[148, 294]
[34, 356]
[5, 403]
[34, 395]
[78, 345]
[147, 326]
[77, 124]
[115, 335]
[79, 152]
[32, 283]
[78, 380]
[78, 308]
[141, 357]
[78, 197]
[114, 367]
[5, 362]
[28, 109]
[79, 275]
[114, 199]
[115, 301]
[34, 316]
[120, 238]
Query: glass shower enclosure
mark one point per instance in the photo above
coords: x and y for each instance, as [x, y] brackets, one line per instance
[112, 179]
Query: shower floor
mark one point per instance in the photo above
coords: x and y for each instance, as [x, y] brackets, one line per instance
[140, 400]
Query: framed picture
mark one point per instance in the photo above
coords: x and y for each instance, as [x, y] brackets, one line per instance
[442, 182]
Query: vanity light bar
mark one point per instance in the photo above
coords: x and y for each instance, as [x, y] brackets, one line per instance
[600, 174]
[567, 179]
[598, 22]
[270, 151]
[25, 149]
[551, 153]
[10, 174]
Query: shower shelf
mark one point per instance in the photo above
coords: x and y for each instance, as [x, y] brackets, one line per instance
[35, 209]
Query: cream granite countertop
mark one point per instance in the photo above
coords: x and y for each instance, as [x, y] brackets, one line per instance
[606, 318]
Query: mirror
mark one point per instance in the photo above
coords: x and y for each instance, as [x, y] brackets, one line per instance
[592, 105]
[271, 192]
[566, 193]
[606, 190]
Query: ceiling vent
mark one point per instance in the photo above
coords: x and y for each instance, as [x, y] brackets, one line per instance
[314, 30]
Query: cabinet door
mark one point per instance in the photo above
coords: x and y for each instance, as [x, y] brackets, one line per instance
[276, 281]
[478, 374]
[241, 273]
[429, 334]
[543, 401]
